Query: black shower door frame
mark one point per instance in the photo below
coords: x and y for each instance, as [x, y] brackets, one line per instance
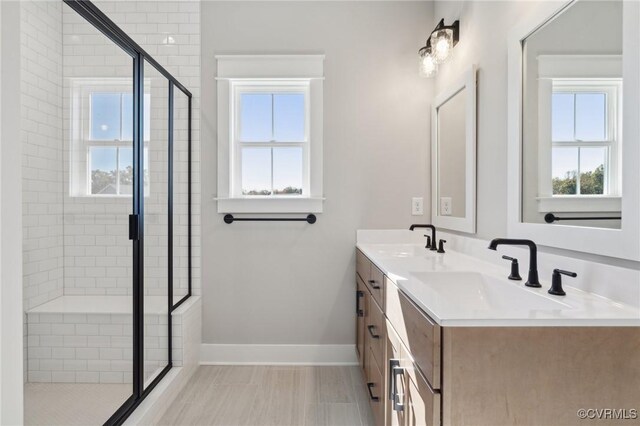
[100, 21]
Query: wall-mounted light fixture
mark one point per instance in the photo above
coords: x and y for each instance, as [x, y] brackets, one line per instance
[438, 47]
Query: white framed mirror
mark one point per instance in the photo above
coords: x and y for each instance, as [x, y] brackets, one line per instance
[453, 156]
[573, 127]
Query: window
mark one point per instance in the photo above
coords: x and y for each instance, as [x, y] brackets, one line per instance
[101, 138]
[271, 140]
[585, 137]
[109, 148]
[270, 134]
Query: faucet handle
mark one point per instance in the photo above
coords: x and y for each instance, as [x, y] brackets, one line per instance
[428, 241]
[440, 245]
[515, 269]
[556, 281]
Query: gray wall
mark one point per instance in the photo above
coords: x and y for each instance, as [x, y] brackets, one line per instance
[292, 283]
[484, 31]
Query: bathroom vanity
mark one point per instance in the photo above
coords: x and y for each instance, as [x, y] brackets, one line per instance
[448, 339]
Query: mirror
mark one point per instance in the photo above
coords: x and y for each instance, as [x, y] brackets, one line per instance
[572, 139]
[573, 108]
[453, 156]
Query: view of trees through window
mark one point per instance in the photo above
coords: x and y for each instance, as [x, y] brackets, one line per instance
[591, 183]
[581, 140]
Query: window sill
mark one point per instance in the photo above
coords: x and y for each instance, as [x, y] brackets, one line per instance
[576, 204]
[270, 205]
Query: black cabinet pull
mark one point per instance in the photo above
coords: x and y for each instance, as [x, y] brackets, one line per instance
[374, 285]
[359, 311]
[369, 386]
[370, 328]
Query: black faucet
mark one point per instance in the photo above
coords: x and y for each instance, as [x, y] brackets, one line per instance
[556, 281]
[433, 246]
[532, 280]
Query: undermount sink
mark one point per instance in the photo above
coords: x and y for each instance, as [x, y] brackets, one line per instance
[402, 250]
[475, 291]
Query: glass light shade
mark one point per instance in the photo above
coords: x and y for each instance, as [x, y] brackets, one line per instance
[428, 65]
[442, 44]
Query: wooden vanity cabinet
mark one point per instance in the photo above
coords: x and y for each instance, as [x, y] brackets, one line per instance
[371, 333]
[361, 309]
[477, 376]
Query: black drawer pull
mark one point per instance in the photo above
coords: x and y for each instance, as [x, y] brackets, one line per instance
[371, 328]
[359, 311]
[374, 285]
[369, 386]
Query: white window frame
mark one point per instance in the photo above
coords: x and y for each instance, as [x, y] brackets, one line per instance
[575, 73]
[269, 73]
[80, 135]
[270, 87]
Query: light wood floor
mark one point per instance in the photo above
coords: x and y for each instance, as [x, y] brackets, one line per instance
[272, 395]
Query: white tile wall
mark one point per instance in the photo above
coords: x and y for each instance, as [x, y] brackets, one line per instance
[91, 348]
[97, 348]
[41, 105]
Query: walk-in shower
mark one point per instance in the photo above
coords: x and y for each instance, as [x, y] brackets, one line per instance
[107, 215]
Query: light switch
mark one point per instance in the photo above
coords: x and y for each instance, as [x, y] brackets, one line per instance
[417, 206]
[445, 206]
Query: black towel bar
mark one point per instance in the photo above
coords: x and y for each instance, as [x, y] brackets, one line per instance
[310, 219]
[550, 218]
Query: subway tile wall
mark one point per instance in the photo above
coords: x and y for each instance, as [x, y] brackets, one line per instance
[97, 348]
[41, 137]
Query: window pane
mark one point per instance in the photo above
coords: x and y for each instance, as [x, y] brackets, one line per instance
[256, 117]
[103, 170]
[127, 116]
[125, 170]
[592, 170]
[105, 116]
[287, 171]
[565, 171]
[288, 117]
[590, 116]
[562, 117]
[256, 171]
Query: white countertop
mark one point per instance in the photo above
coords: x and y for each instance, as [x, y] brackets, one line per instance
[459, 290]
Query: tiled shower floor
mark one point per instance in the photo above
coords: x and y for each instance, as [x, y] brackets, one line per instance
[55, 404]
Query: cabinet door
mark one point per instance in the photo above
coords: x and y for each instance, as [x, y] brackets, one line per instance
[394, 379]
[422, 405]
[360, 317]
[376, 388]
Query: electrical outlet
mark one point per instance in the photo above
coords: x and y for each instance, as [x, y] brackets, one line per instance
[445, 206]
[417, 206]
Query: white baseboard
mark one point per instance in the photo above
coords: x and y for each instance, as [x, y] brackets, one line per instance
[212, 354]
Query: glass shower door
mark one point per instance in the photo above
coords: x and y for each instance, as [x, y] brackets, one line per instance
[156, 225]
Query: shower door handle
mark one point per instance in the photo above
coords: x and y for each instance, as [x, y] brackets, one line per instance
[134, 228]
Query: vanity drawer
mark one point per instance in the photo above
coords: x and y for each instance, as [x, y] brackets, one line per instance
[363, 266]
[376, 285]
[376, 333]
[417, 331]
[375, 385]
